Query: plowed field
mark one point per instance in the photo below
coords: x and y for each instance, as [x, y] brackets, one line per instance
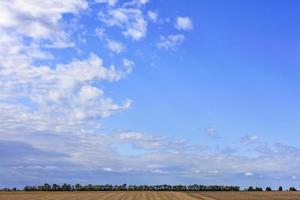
[149, 195]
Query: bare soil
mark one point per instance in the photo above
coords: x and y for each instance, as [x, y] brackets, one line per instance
[246, 195]
[149, 195]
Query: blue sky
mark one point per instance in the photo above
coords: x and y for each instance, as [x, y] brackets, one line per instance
[149, 92]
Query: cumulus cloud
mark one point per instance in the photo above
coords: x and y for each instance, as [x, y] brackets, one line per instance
[171, 42]
[184, 23]
[50, 98]
[13, 51]
[54, 99]
[131, 20]
[39, 19]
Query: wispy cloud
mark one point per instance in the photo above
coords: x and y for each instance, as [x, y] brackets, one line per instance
[109, 2]
[153, 16]
[249, 139]
[171, 42]
[115, 46]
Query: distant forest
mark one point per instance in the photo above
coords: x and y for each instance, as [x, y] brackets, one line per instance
[124, 187]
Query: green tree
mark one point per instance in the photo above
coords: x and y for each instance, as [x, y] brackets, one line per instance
[258, 189]
[250, 189]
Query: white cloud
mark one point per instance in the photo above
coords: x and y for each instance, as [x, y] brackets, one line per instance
[131, 20]
[13, 51]
[109, 2]
[158, 171]
[57, 98]
[115, 46]
[136, 3]
[248, 174]
[128, 64]
[142, 140]
[108, 169]
[171, 42]
[152, 16]
[87, 93]
[42, 97]
[87, 151]
[183, 23]
[143, 1]
[39, 19]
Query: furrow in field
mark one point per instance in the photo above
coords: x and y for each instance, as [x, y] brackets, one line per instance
[200, 196]
[144, 196]
[148, 196]
[95, 196]
[138, 195]
[173, 195]
[162, 196]
[130, 195]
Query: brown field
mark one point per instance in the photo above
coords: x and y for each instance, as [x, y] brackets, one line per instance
[246, 195]
[149, 195]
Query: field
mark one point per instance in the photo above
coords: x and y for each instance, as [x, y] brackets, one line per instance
[149, 195]
[246, 195]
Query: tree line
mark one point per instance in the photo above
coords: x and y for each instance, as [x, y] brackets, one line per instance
[124, 187]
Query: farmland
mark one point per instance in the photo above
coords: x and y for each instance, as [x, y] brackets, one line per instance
[246, 195]
[149, 195]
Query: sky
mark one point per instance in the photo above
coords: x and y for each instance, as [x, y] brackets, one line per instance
[150, 92]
